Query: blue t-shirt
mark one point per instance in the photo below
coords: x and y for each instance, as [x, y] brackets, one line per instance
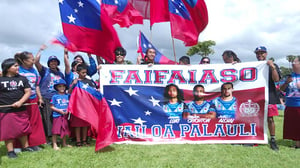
[293, 92]
[194, 108]
[70, 77]
[60, 102]
[224, 109]
[33, 79]
[49, 77]
[175, 109]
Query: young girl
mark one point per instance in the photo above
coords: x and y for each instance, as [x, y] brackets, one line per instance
[79, 124]
[14, 119]
[59, 104]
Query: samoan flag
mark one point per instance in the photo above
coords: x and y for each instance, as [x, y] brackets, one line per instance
[122, 12]
[98, 113]
[123, 102]
[61, 39]
[144, 44]
[188, 18]
[89, 28]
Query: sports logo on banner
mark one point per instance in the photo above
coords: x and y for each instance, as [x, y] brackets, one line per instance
[188, 104]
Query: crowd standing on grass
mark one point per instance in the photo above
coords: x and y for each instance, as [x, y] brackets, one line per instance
[34, 101]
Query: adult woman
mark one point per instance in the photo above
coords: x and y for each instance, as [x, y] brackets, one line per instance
[48, 77]
[230, 57]
[26, 61]
[14, 91]
[291, 125]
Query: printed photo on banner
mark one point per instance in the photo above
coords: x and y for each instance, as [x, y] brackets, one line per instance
[188, 104]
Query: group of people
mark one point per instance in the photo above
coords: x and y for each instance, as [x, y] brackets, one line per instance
[34, 98]
[224, 106]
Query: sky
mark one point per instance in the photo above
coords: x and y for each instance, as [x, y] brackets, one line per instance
[238, 25]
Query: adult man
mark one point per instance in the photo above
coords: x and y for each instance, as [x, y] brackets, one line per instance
[224, 106]
[120, 54]
[184, 60]
[274, 76]
[200, 107]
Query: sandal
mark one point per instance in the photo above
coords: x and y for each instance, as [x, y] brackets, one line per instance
[85, 143]
[78, 144]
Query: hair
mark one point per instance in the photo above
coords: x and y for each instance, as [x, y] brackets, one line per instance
[80, 57]
[203, 59]
[81, 67]
[229, 53]
[150, 49]
[179, 92]
[196, 86]
[185, 59]
[227, 83]
[6, 64]
[20, 57]
[74, 63]
[120, 50]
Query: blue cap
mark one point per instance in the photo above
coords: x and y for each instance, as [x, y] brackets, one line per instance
[51, 58]
[260, 48]
[58, 82]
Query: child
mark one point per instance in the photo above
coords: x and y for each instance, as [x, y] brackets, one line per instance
[14, 119]
[79, 124]
[59, 104]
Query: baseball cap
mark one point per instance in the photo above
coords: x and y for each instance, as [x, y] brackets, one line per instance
[58, 82]
[260, 48]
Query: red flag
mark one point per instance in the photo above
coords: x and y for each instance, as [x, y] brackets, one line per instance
[188, 18]
[98, 113]
[61, 39]
[143, 6]
[89, 28]
[122, 12]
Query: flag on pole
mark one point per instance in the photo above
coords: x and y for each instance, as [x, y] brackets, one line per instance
[144, 44]
[89, 28]
[62, 40]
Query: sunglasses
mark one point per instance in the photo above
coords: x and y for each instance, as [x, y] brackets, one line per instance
[205, 62]
[119, 54]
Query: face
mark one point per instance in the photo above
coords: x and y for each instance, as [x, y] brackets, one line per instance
[29, 61]
[14, 69]
[53, 64]
[172, 92]
[119, 59]
[82, 74]
[151, 54]
[61, 88]
[182, 63]
[261, 55]
[296, 64]
[198, 93]
[78, 59]
[227, 59]
[205, 61]
[227, 90]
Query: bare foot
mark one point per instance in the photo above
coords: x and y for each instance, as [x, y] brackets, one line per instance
[68, 146]
[56, 148]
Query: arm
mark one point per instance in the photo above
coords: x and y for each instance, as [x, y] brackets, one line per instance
[275, 75]
[39, 95]
[286, 83]
[139, 59]
[57, 110]
[92, 69]
[72, 85]
[67, 63]
[24, 98]
[38, 65]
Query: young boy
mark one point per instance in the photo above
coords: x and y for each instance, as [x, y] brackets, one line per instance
[81, 126]
[59, 104]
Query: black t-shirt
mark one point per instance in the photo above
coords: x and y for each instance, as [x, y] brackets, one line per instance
[90, 82]
[12, 90]
[273, 96]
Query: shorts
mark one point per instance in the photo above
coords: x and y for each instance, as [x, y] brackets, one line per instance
[272, 110]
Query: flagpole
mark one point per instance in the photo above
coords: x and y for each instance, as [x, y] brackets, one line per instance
[173, 44]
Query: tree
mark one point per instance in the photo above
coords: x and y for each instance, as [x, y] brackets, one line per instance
[285, 71]
[202, 48]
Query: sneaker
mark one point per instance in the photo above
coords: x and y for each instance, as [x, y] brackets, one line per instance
[11, 155]
[28, 149]
[273, 145]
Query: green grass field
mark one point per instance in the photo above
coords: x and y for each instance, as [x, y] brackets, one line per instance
[144, 156]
